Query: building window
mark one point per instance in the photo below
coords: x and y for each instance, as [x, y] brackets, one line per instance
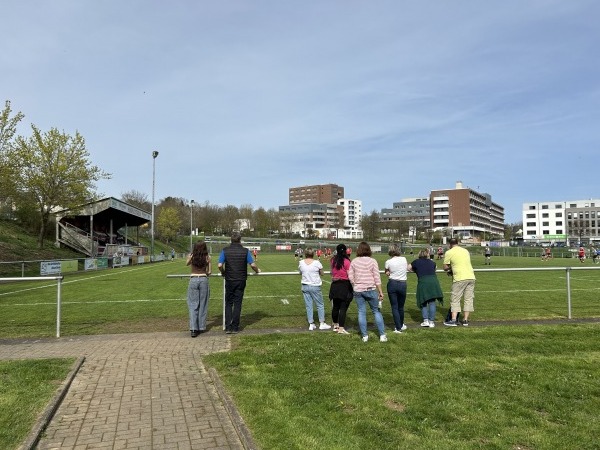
[559, 231]
[531, 233]
[559, 224]
[558, 206]
[558, 214]
[544, 206]
[531, 216]
[545, 216]
[531, 206]
[545, 231]
[531, 224]
[545, 224]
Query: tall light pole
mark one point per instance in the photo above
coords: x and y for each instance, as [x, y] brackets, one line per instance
[191, 224]
[154, 155]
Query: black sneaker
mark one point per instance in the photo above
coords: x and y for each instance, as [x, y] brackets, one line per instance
[465, 323]
[450, 323]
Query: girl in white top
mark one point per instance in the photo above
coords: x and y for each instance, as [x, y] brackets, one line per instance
[396, 269]
[311, 271]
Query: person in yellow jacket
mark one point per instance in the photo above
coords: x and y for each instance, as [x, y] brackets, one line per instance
[457, 262]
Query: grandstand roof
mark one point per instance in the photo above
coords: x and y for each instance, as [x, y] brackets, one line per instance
[108, 209]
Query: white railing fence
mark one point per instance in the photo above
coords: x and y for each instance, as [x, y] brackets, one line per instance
[525, 269]
[58, 292]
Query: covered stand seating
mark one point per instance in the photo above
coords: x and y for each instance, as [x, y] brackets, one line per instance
[96, 227]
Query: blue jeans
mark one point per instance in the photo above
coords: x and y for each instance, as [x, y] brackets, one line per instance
[397, 293]
[370, 297]
[429, 310]
[197, 299]
[313, 294]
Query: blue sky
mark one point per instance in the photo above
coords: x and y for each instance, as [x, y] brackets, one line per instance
[244, 99]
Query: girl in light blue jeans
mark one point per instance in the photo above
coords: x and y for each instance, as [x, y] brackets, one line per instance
[311, 271]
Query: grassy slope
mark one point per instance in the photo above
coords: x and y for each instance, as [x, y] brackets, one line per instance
[17, 244]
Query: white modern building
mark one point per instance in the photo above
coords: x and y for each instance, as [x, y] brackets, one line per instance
[352, 212]
[572, 221]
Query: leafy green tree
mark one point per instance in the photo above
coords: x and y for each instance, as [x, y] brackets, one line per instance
[8, 129]
[52, 171]
[168, 223]
[137, 199]
[370, 226]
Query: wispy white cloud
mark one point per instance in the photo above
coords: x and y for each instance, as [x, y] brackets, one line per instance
[388, 98]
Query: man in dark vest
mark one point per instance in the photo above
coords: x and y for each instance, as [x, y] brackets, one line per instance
[232, 265]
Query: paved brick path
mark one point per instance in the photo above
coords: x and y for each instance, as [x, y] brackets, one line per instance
[138, 391]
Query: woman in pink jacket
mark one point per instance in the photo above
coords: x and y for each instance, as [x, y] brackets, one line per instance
[366, 282]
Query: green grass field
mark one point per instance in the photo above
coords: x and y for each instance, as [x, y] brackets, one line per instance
[516, 387]
[26, 387]
[508, 387]
[140, 298]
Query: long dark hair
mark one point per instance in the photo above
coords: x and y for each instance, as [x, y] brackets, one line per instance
[340, 256]
[200, 255]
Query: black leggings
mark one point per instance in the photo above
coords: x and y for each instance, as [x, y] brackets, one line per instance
[338, 312]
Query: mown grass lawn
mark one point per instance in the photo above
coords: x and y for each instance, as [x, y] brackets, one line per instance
[513, 387]
[483, 387]
[26, 387]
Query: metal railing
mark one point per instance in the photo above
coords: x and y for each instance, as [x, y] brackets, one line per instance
[524, 269]
[58, 293]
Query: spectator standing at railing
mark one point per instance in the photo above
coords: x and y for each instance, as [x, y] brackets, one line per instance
[366, 283]
[198, 289]
[312, 271]
[340, 292]
[457, 262]
[233, 262]
[396, 268]
[428, 287]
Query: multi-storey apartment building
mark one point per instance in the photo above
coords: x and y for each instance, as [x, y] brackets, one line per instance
[312, 219]
[352, 215]
[318, 193]
[322, 211]
[466, 212]
[413, 210]
[572, 221]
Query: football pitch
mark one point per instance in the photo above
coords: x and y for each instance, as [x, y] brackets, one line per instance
[149, 298]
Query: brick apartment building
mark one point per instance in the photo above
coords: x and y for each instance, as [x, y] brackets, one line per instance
[466, 212]
[318, 193]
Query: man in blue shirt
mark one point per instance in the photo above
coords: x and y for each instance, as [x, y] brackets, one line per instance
[232, 265]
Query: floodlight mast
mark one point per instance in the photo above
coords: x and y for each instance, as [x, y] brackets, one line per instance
[154, 155]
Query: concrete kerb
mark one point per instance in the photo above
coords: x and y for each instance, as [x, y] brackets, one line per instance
[239, 424]
[44, 419]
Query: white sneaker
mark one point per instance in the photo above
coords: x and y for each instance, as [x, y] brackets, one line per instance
[397, 331]
[324, 326]
[383, 338]
[425, 323]
[431, 324]
[403, 327]
[365, 338]
[311, 327]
